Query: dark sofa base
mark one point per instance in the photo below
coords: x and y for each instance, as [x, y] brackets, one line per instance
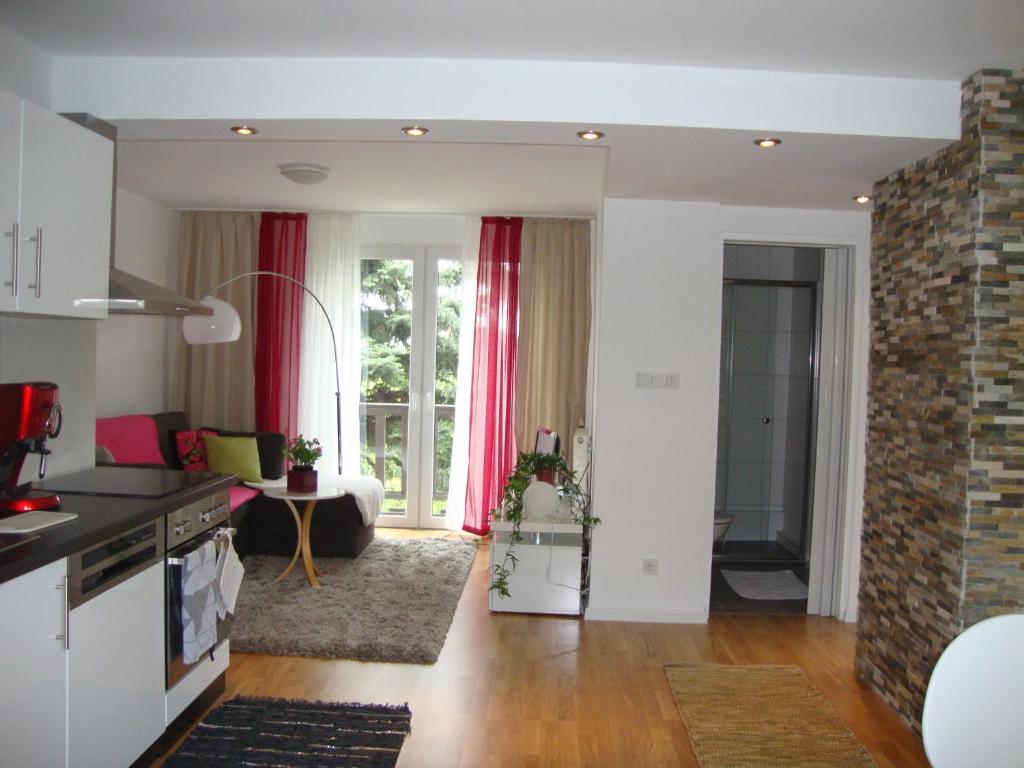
[337, 529]
[266, 526]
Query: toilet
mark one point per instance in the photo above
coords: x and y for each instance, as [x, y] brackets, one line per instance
[722, 523]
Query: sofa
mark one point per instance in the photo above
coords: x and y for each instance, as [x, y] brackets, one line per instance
[265, 526]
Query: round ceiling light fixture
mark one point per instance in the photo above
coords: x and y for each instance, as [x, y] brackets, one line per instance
[415, 130]
[590, 135]
[244, 130]
[304, 173]
[862, 199]
[767, 142]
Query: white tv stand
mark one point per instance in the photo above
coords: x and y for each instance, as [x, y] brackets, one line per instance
[552, 575]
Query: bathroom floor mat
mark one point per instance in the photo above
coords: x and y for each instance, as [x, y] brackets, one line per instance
[766, 585]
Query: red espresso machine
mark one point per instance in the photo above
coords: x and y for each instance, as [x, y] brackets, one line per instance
[29, 415]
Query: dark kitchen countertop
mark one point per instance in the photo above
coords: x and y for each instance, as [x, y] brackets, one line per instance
[99, 517]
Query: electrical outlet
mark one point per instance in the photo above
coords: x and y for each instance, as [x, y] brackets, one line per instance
[650, 566]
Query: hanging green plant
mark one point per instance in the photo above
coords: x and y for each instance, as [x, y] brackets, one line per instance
[527, 466]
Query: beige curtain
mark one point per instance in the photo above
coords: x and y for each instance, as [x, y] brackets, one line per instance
[554, 329]
[214, 383]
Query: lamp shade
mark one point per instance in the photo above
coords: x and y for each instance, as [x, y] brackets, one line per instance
[222, 326]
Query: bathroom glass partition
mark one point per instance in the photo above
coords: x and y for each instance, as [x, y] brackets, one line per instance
[765, 413]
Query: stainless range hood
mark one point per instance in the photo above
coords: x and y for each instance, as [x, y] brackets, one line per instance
[129, 294]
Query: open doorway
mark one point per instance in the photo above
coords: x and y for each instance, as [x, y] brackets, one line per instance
[781, 425]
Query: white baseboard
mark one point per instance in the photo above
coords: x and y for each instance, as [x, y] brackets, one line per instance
[849, 615]
[646, 615]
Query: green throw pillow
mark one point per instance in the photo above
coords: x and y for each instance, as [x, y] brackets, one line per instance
[233, 456]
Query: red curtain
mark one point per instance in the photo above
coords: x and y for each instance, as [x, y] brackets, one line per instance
[492, 444]
[282, 249]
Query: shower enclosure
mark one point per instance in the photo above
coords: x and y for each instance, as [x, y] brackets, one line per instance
[767, 399]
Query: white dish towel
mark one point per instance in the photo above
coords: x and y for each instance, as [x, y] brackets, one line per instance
[229, 574]
[199, 600]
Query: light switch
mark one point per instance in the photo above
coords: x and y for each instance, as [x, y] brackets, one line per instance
[647, 380]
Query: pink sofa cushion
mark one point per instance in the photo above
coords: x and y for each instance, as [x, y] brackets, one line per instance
[192, 449]
[131, 439]
[239, 494]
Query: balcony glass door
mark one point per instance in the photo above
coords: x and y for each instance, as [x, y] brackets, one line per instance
[411, 302]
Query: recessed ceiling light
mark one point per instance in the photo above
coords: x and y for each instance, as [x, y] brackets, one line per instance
[415, 130]
[590, 135]
[862, 199]
[304, 173]
[244, 130]
[767, 142]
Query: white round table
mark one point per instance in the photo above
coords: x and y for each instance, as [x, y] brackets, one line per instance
[303, 522]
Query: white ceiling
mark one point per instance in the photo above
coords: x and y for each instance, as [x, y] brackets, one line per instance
[930, 39]
[506, 179]
[498, 168]
[528, 168]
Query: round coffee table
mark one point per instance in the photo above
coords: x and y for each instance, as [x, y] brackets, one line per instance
[303, 522]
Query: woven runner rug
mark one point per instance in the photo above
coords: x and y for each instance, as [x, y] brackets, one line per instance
[395, 602]
[761, 716]
[295, 734]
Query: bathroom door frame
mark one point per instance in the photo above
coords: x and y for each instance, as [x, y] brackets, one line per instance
[840, 420]
[831, 460]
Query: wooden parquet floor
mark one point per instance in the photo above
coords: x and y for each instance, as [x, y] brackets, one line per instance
[531, 691]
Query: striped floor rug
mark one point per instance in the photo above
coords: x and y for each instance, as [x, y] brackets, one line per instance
[286, 734]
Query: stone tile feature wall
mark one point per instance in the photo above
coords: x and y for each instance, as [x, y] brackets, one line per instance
[943, 532]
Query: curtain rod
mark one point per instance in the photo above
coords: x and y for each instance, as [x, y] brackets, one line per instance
[384, 213]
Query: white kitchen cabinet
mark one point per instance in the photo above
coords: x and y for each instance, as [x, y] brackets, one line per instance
[34, 669]
[116, 672]
[10, 195]
[61, 175]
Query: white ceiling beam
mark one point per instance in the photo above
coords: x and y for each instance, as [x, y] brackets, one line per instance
[590, 94]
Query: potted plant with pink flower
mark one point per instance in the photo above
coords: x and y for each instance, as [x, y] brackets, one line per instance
[303, 454]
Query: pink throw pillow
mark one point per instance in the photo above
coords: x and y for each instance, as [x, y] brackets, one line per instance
[192, 449]
[130, 439]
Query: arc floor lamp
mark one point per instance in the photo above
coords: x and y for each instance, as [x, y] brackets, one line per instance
[224, 325]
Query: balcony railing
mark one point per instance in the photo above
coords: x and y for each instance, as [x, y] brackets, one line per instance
[376, 420]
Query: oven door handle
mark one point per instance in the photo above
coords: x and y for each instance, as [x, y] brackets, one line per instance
[179, 561]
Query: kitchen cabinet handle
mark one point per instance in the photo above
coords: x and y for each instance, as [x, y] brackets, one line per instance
[15, 235]
[66, 637]
[38, 240]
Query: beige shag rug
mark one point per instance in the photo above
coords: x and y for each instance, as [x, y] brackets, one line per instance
[761, 716]
[394, 603]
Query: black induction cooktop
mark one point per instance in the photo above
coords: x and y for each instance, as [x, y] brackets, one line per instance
[125, 481]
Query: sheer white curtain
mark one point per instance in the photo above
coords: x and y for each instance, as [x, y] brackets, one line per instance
[455, 510]
[332, 273]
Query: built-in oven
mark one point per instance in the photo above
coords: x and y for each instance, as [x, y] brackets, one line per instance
[188, 529]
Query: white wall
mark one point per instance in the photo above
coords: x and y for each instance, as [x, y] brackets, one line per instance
[398, 229]
[654, 449]
[64, 352]
[25, 69]
[134, 352]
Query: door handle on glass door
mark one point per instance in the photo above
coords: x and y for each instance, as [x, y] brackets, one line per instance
[765, 420]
